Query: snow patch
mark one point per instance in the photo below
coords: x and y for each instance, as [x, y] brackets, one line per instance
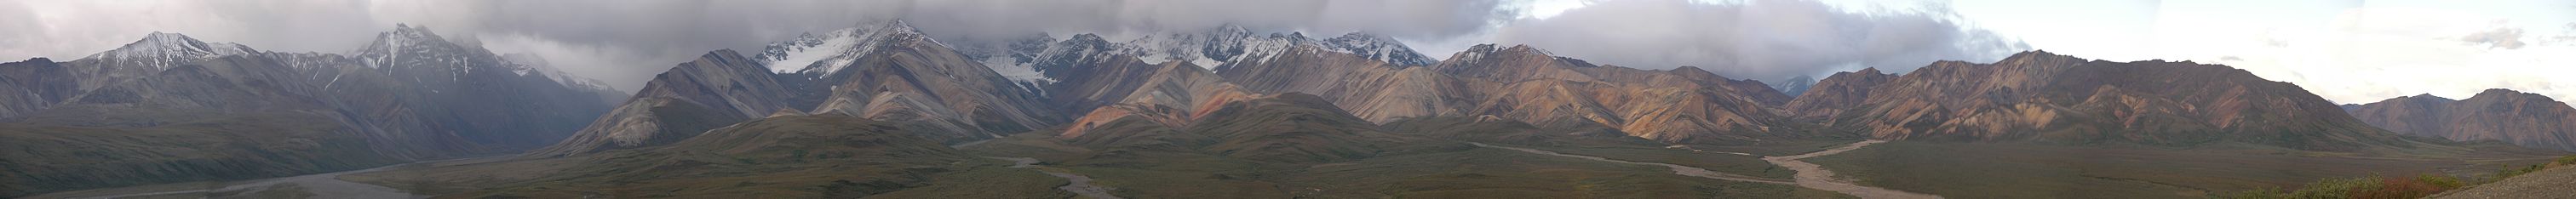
[806, 51]
[827, 53]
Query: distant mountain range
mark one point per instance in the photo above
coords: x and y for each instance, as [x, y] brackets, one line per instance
[1093, 86]
[169, 108]
[889, 90]
[2493, 115]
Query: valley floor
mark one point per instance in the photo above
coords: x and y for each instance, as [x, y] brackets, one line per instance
[1981, 170]
[1808, 175]
[324, 185]
[1035, 166]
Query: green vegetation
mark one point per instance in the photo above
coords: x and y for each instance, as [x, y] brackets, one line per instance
[2024, 170]
[1475, 173]
[2373, 187]
[2376, 187]
[1464, 173]
[42, 157]
[818, 156]
[1611, 145]
[1719, 162]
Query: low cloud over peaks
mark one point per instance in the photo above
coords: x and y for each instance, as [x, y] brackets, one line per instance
[1768, 40]
[626, 42]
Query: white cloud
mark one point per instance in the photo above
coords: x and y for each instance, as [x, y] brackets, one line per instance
[1760, 39]
[2392, 48]
[2371, 54]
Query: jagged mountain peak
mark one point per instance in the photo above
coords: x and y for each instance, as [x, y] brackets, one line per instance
[1869, 70]
[2428, 96]
[1087, 36]
[1480, 52]
[416, 46]
[161, 49]
[1223, 45]
[404, 35]
[1796, 85]
[2034, 55]
[828, 52]
[1379, 48]
[2500, 93]
[412, 31]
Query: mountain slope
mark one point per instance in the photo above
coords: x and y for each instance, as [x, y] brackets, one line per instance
[1680, 105]
[1831, 96]
[911, 79]
[2520, 118]
[1286, 128]
[1373, 90]
[885, 72]
[170, 108]
[798, 156]
[2037, 96]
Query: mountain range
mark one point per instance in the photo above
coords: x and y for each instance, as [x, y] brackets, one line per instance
[2493, 115]
[169, 108]
[911, 111]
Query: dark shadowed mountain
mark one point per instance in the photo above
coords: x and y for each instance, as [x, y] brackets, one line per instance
[169, 108]
[1836, 93]
[1798, 85]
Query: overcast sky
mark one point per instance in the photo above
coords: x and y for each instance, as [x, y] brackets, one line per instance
[2350, 51]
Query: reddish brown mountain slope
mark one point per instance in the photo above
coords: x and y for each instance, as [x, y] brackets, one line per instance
[1835, 93]
[2037, 96]
[900, 77]
[1681, 105]
[2511, 116]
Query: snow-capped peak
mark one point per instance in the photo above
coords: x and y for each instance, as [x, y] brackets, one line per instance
[413, 48]
[1218, 47]
[1012, 57]
[1379, 48]
[829, 52]
[410, 41]
[161, 50]
[1213, 47]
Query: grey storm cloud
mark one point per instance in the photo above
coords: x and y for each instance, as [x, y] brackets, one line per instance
[647, 36]
[1759, 39]
[627, 42]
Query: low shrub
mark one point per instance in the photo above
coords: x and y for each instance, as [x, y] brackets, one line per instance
[2373, 187]
[2443, 181]
[2337, 188]
[2398, 188]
